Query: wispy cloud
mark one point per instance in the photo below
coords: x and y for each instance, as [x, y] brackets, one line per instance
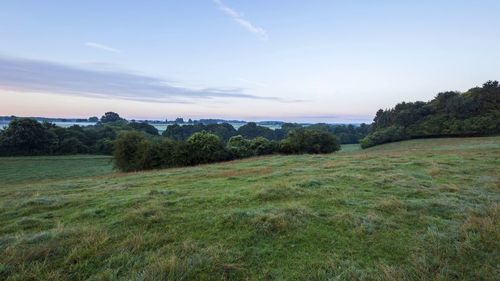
[254, 83]
[238, 18]
[47, 77]
[102, 47]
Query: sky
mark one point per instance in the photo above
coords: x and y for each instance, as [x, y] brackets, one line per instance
[303, 61]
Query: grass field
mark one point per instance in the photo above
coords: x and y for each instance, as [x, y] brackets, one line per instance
[47, 168]
[414, 210]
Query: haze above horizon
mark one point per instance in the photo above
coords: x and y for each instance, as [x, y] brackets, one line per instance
[303, 61]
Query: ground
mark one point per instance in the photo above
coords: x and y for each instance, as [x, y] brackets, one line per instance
[413, 210]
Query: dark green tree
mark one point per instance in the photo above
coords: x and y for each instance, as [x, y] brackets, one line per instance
[205, 147]
[128, 151]
[239, 147]
[26, 136]
[110, 117]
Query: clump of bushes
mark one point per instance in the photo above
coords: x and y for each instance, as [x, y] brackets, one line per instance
[134, 151]
[390, 134]
[309, 141]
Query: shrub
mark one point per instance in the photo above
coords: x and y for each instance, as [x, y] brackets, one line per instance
[239, 147]
[26, 136]
[390, 134]
[204, 147]
[263, 146]
[128, 153]
[72, 146]
[144, 127]
[309, 141]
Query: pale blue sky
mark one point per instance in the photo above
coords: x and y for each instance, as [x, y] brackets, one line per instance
[310, 61]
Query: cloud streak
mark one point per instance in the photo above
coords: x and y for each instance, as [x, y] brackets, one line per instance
[102, 47]
[238, 18]
[47, 77]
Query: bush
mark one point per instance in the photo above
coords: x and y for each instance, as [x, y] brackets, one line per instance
[26, 136]
[263, 146]
[309, 141]
[128, 151]
[239, 147]
[204, 147]
[103, 146]
[251, 130]
[390, 134]
[144, 127]
[72, 146]
[173, 153]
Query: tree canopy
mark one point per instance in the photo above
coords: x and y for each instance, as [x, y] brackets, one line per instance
[473, 113]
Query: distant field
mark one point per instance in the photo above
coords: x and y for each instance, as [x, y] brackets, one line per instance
[350, 147]
[414, 210]
[46, 168]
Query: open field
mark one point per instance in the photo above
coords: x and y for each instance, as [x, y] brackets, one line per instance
[414, 210]
[38, 169]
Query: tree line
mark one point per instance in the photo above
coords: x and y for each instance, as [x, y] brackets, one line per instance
[142, 147]
[475, 112]
[347, 134]
[134, 151]
[25, 136]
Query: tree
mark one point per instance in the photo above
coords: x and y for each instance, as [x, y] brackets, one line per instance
[110, 117]
[304, 140]
[144, 127]
[93, 119]
[72, 145]
[239, 147]
[127, 151]
[263, 146]
[204, 147]
[26, 136]
[473, 113]
[491, 85]
[251, 130]
[177, 132]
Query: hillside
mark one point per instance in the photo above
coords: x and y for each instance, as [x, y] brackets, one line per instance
[475, 112]
[422, 209]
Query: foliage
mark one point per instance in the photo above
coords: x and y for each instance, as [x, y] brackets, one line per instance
[177, 132]
[30, 137]
[239, 147]
[389, 134]
[205, 147]
[263, 146]
[27, 137]
[304, 140]
[110, 117]
[130, 151]
[144, 127]
[251, 130]
[473, 113]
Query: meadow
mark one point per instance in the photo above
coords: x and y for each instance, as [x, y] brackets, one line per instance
[424, 209]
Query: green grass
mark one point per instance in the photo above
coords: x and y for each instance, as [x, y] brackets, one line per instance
[46, 168]
[350, 147]
[415, 210]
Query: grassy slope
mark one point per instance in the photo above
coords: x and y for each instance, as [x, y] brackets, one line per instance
[422, 209]
[46, 168]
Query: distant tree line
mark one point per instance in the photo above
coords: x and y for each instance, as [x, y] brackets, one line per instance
[345, 133]
[25, 136]
[473, 113]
